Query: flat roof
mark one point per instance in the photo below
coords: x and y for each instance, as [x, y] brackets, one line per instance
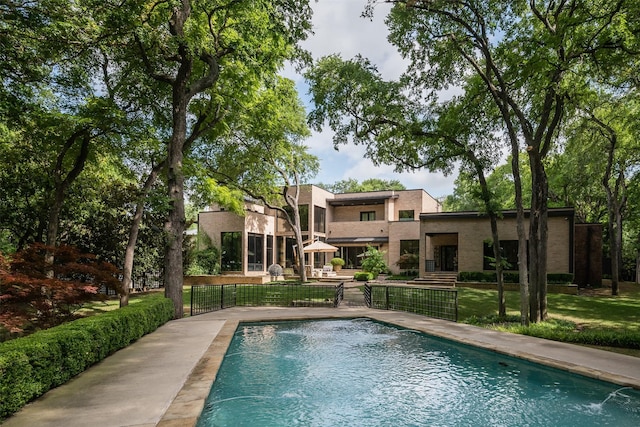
[552, 212]
[357, 240]
[362, 200]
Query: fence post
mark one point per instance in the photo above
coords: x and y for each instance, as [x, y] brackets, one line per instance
[386, 295]
[221, 297]
[191, 308]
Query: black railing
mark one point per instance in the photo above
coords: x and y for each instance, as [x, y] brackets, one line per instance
[432, 302]
[207, 298]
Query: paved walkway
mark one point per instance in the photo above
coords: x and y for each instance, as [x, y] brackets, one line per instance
[164, 378]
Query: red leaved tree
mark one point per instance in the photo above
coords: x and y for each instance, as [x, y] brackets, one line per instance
[29, 300]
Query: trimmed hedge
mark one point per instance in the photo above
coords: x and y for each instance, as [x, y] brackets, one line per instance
[511, 277]
[561, 330]
[32, 365]
[363, 276]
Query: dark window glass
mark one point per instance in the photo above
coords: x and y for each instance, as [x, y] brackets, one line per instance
[319, 219]
[508, 252]
[368, 216]
[406, 215]
[304, 216]
[255, 255]
[231, 256]
[409, 247]
[270, 250]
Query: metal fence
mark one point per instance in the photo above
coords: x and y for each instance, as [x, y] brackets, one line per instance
[207, 298]
[432, 302]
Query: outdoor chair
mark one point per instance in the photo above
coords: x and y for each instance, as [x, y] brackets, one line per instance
[327, 271]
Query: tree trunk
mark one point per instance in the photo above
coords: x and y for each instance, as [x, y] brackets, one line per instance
[133, 233]
[613, 207]
[638, 262]
[175, 224]
[522, 237]
[493, 219]
[61, 187]
[292, 202]
[537, 240]
[502, 304]
[613, 248]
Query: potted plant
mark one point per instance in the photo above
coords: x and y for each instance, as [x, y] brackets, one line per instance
[337, 263]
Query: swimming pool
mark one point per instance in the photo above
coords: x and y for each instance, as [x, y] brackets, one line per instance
[364, 373]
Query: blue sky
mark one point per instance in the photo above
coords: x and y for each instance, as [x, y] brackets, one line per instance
[339, 28]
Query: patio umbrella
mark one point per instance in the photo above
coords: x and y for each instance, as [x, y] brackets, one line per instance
[319, 246]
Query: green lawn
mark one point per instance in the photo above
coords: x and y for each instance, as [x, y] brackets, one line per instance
[597, 319]
[620, 312]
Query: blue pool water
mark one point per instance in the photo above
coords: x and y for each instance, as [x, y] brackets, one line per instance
[363, 373]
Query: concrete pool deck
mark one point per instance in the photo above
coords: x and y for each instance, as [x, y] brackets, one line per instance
[164, 378]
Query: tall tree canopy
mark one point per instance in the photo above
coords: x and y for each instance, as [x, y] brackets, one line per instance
[524, 60]
[263, 156]
[352, 185]
[182, 54]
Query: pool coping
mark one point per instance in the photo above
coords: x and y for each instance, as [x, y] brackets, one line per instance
[618, 369]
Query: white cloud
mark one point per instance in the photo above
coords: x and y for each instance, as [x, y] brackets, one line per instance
[340, 29]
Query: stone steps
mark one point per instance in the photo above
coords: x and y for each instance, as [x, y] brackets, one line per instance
[437, 278]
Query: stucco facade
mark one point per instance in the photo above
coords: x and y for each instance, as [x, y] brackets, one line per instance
[395, 222]
[457, 241]
[349, 221]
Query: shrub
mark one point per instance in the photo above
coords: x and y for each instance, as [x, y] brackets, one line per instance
[337, 261]
[202, 261]
[32, 365]
[38, 295]
[363, 276]
[373, 261]
[510, 277]
[476, 276]
[560, 278]
[408, 262]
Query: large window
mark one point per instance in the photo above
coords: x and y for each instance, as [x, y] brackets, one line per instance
[409, 247]
[406, 215]
[353, 255]
[319, 219]
[255, 255]
[304, 216]
[231, 251]
[409, 255]
[270, 250]
[368, 216]
[508, 251]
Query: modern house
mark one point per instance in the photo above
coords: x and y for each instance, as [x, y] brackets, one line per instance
[461, 241]
[396, 223]
[386, 220]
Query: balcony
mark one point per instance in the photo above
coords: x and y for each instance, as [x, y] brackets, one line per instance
[355, 229]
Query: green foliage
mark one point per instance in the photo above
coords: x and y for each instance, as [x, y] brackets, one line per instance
[202, 258]
[363, 276]
[560, 278]
[32, 365]
[337, 261]
[511, 277]
[351, 185]
[408, 261]
[36, 294]
[7, 247]
[373, 261]
[561, 330]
